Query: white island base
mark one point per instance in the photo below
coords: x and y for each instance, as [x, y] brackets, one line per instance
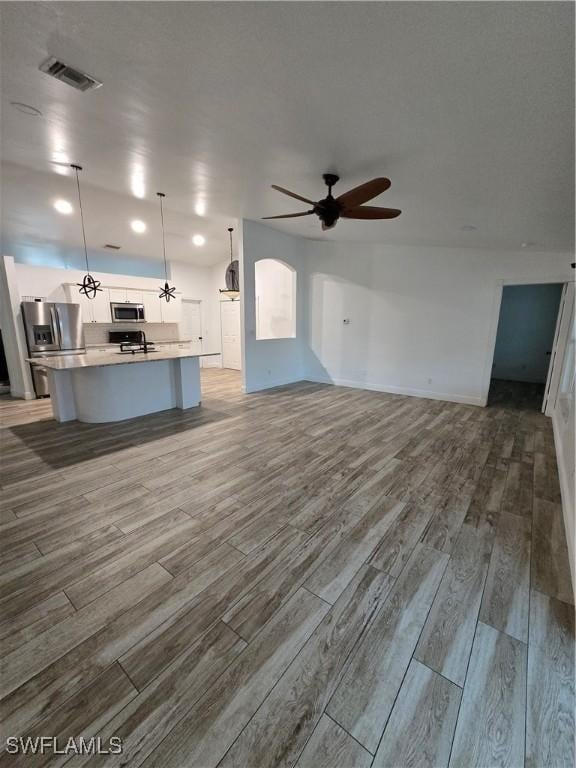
[103, 393]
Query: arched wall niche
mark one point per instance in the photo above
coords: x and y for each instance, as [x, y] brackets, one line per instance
[275, 299]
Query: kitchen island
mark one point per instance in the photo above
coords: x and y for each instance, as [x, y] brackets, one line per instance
[116, 386]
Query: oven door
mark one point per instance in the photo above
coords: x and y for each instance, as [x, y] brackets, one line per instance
[127, 313]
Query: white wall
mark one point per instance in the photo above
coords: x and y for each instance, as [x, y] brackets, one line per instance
[526, 327]
[422, 320]
[13, 335]
[270, 362]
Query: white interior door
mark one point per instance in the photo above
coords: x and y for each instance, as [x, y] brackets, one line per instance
[230, 324]
[191, 325]
[561, 338]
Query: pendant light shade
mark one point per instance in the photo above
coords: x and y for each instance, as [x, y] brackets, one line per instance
[166, 292]
[89, 286]
[232, 290]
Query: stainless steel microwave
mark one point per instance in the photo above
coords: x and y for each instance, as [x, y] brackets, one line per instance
[127, 312]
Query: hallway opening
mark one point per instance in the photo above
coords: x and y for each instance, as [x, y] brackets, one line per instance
[524, 344]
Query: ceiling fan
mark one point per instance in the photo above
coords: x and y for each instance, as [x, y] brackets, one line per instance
[348, 206]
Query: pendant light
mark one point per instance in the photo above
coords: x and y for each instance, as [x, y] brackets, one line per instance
[166, 292]
[232, 290]
[89, 286]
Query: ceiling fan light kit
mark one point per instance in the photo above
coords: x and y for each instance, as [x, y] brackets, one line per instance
[347, 206]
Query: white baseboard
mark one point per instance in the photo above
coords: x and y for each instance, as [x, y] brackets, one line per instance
[272, 384]
[568, 512]
[392, 390]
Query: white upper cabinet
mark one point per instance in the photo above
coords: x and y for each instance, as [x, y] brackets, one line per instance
[152, 308]
[100, 307]
[172, 310]
[98, 310]
[130, 295]
[95, 310]
[118, 295]
[85, 305]
[134, 296]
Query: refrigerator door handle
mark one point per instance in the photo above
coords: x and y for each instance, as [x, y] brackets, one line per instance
[56, 323]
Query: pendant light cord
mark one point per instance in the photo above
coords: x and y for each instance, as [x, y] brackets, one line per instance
[76, 169]
[161, 195]
[230, 230]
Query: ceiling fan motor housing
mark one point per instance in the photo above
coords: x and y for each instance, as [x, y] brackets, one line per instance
[328, 211]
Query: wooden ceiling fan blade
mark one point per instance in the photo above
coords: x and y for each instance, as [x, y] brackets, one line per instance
[289, 215]
[363, 193]
[292, 194]
[370, 212]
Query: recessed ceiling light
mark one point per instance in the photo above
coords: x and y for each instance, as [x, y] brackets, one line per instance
[26, 109]
[468, 228]
[138, 226]
[198, 239]
[200, 208]
[63, 206]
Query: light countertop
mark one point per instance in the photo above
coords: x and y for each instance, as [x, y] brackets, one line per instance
[74, 362]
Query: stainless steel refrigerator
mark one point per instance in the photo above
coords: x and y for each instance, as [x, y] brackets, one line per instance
[51, 329]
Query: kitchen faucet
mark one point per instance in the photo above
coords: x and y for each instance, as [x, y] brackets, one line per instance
[143, 343]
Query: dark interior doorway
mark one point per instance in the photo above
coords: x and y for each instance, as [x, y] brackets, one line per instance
[4, 378]
[524, 340]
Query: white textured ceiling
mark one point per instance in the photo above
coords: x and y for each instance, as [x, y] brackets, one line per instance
[29, 218]
[467, 107]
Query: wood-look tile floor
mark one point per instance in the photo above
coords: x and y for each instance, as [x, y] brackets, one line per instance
[516, 395]
[312, 576]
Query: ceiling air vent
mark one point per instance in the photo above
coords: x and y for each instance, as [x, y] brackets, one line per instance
[74, 77]
[112, 247]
